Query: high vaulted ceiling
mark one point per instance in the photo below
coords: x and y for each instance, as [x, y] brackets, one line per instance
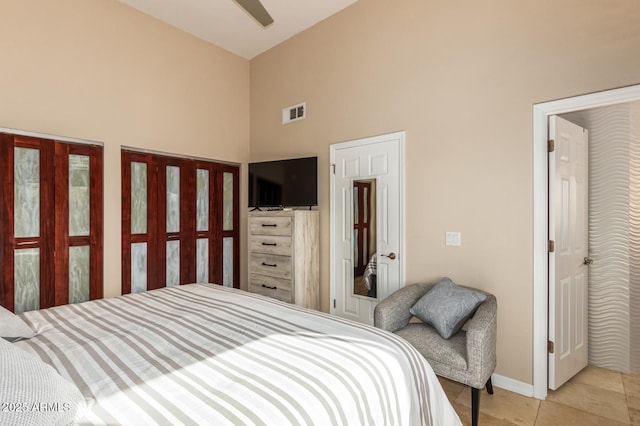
[227, 25]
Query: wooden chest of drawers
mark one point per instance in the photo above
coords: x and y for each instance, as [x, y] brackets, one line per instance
[283, 256]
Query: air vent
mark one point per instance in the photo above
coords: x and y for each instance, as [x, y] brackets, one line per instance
[294, 113]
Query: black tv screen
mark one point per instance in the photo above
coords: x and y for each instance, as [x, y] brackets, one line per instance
[284, 183]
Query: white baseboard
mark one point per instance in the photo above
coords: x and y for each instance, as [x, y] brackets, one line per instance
[512, 385]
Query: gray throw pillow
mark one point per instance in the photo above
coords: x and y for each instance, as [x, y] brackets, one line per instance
[12, 327]
[447, 306]
[33, 393]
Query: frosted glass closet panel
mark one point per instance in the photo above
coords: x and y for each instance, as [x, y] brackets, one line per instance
[26, 275]
[172, 277]
[79, 274]
[26, 164]
[173, 263]
[202, 225]
[173, 199]
[79, 225]
[139, 225]
[227, 224]
[138, 198]
[79, 195]
[138, 267]
[202, 202]
[227, 266]
[26, 225]
[202, 260]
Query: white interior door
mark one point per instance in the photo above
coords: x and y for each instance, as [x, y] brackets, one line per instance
[379, 158]
[568, 263]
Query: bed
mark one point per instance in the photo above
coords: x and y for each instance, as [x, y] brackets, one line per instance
[205, 354]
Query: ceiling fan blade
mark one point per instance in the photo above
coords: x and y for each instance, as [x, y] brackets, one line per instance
[257, 10]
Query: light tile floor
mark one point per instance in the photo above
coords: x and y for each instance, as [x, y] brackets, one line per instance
[595, 396]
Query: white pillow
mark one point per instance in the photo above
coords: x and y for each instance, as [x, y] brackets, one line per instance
[12, 327]
[33, 393]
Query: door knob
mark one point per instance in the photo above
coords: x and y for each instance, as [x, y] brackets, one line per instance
[587, 261]
[390, 255]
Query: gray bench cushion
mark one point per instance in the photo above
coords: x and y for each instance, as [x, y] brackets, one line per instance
[431, 345]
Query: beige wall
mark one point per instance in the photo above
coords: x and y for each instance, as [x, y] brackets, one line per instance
[99, 70]
[461, 78]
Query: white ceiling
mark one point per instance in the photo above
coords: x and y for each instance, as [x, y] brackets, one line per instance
[227, 25]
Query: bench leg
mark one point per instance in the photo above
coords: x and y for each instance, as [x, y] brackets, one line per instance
[475, 401]
[475, 406]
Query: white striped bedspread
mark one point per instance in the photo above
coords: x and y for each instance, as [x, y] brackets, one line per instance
[203, 354]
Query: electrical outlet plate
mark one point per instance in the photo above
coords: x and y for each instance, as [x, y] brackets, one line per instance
[453, 239]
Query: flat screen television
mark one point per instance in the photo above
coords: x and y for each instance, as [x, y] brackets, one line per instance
[284, 183]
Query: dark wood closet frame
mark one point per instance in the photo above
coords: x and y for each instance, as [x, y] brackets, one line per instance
[186, 234]
[151, 236]
[54, 219]
[157, 236]
[95, 238]
[235, 233]
[215, 219]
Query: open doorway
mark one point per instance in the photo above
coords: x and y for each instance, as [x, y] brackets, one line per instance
[542, 112]
[614, 228]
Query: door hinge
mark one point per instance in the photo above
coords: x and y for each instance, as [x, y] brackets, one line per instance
[550, 347]
[334, 303]
[551, 145]
[552, 246]
[333, 169]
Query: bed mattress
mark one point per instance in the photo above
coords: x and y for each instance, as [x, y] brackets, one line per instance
[204, 354]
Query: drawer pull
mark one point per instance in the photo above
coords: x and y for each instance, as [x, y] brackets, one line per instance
[273, 265]
[269, 287]
[270, 244]
[272, 225]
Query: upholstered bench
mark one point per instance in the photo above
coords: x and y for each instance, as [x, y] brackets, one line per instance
[468, 355]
